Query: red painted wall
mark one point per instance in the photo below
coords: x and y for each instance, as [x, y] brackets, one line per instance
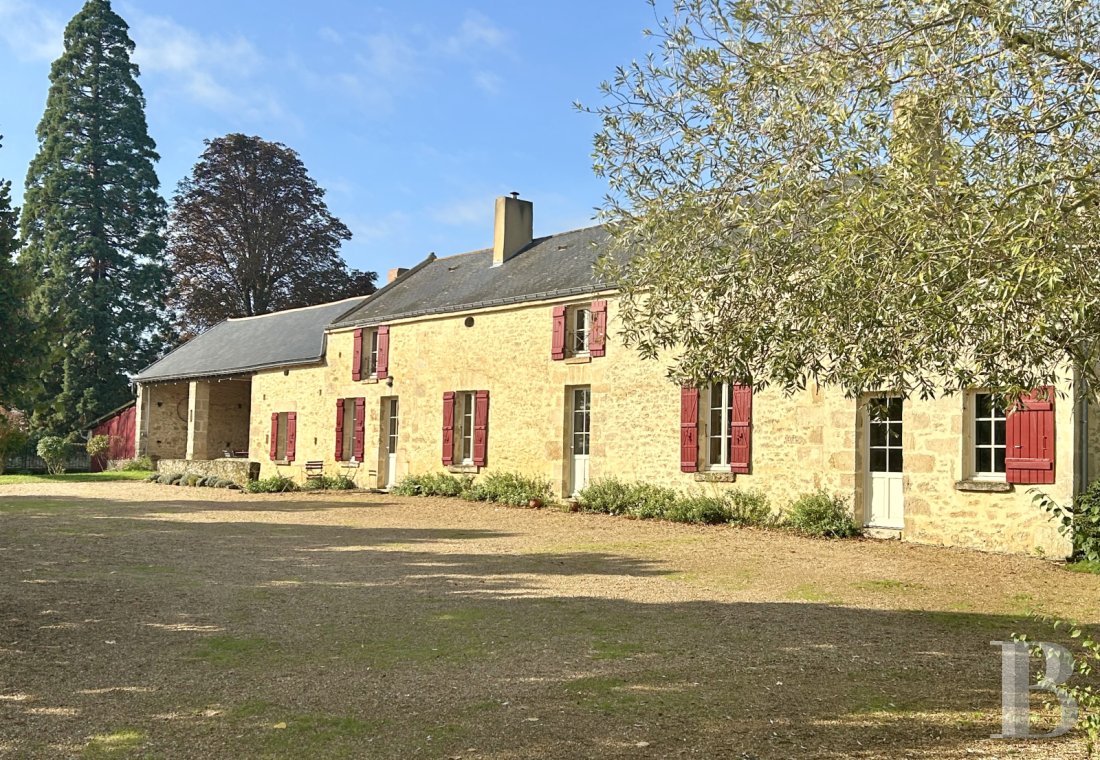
[120, 428]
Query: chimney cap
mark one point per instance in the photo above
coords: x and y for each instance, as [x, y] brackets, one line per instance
[514, 194]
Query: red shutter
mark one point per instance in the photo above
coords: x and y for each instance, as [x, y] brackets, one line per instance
[481, 427]
[557, 343]
[741, 429]
[1029, 439]
[339, 430]
[383, 370]
[448, 427]
[360, 428]
[597, 341]
[291, 435]
[357, 357]
[689, 429]
[274, 434]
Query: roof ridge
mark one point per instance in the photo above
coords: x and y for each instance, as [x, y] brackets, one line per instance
[297, 308]
[535, 239]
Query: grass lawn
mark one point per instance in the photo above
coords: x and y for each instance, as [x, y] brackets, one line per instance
[144, 621]
[76, 477]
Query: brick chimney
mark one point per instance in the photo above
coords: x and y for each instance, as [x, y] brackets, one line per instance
[514, 228]
[394, 274]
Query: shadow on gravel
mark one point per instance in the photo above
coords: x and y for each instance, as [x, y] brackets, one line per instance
[202, 639]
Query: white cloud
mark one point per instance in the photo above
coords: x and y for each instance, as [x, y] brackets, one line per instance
[475, 34]
[488, 82]
[31, 32]
[211, 71]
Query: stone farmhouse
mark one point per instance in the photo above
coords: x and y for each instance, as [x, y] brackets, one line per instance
[507, 359]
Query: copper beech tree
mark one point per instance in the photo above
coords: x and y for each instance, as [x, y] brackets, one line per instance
[872, 195]
[250, 233]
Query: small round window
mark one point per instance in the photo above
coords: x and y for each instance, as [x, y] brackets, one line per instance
[469, 322]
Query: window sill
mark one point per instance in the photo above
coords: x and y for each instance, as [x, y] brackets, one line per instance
[715, 477]
[370, 380]
[582, 359]
[282, 462]
[463, 469]
[984, 486]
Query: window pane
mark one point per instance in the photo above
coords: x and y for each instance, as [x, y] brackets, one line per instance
[983, 460]
[895, 434]
[999, 460]
[999, 432]
[983, 406]
[878, 410]
[894, 406]
[983, 433]
[715, 456]
[878, 434]
[717, 424]
[895, 460]
[878, 460]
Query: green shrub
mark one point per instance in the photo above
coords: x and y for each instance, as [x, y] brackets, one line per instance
[607, 495]
[98, 444]
[152, 478]
[340, 482]
[707, 510]
[175, 480]
[431, 484]
[750, 508]
[140, 464]
[1079, 521]
[645, 501]
[822, 515]
[191, 480]
[509, 488]
[14, 427]
[274, 484]
[54, 450]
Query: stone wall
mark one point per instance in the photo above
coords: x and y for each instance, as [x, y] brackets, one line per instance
[230, 402]
[164, 433]
[812, 439]
[240, 471]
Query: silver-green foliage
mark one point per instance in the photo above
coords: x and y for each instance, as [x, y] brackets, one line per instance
[54, 451]
[872, 195]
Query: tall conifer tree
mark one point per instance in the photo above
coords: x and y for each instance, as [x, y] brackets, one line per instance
[93, 224]
[17, 348]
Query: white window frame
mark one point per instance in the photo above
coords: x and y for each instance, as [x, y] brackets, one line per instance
[972, 445]
[369, 366]
[348, 442]
[464, 427]
[579, 337]
[726, 435]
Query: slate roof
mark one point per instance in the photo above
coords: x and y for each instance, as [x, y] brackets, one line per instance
[550, 267]
[284, 338]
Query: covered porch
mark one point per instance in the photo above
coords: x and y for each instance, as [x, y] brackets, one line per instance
[195, 419]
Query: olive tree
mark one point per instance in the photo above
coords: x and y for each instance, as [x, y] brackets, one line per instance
[871, 195]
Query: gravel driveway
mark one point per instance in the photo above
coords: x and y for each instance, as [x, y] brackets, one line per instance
[139, 620]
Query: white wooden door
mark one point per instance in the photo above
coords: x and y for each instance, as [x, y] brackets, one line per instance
[392, 425]
[580, 438]
[885, 489]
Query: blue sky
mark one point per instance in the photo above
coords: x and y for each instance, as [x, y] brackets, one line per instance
[413, 115]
